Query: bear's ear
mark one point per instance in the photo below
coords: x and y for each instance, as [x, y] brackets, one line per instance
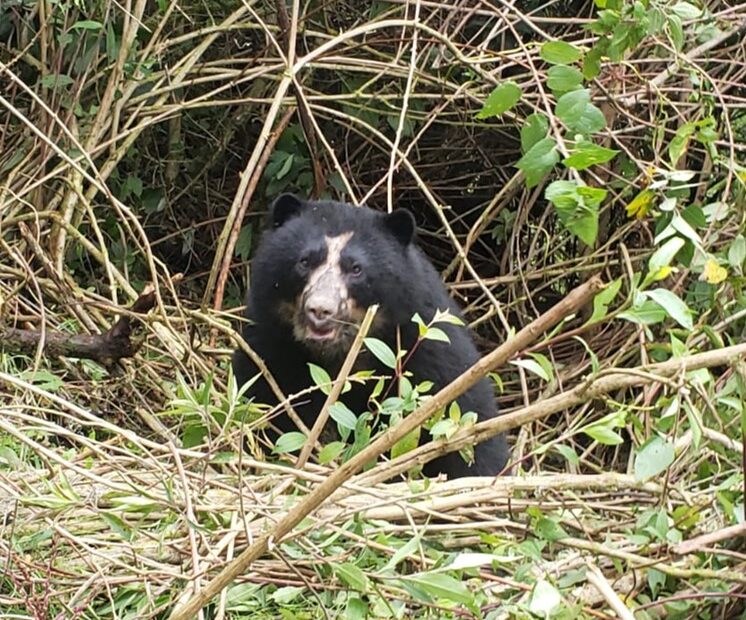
[401, 224]
[285, 207]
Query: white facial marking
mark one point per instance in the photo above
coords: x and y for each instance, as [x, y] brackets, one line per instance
[326, 290]
[331, 267]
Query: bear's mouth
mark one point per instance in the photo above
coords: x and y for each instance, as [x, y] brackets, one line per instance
[320, 333]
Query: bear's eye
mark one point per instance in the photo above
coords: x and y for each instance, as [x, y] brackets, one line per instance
[356, 270]
[304, 262]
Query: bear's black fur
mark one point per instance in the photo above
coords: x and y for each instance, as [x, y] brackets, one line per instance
[377, 261]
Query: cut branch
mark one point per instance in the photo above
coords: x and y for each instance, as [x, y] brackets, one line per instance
[106, 348]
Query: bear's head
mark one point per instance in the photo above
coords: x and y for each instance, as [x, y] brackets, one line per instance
[321, 264]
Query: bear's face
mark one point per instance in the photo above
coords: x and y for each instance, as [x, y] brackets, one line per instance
[336, 261]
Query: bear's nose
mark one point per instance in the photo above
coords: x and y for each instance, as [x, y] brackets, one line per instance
[320, 311]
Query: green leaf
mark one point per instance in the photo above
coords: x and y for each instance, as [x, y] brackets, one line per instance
[193, 435]
[286, 166]
[674, 306]
[549, 529]
[560, 53]
[351, 575]
[656, 21]
[562, 79]
[444, 428]
[568, 453]
[132, 185]
[112, 43]
[440, 586]
[356, 609]
[239, 594]
[43, 379]
[244, 242]
[603, 430]
[647, 313]
[500, 100]
[653, 458]
[534, 367]
[331, 451]
[381, 351]
[685, 10]
[570, 106]
[340, 413]
[154, 201]
[320, 378]
[676, 30]
[545, 364]
[539, 160]
[421, 326]
[446, 316]
[680, 142]
[577, 112]
[604, 435]
[454, 411]
[592, 63]
[707, 130]
[401, 554]
[117, 524]
[435, 333]
[737, 252]
[586, 154]
[290, 442]
[640, 205]
[680, 225]
[534, 129]
[87, 24]
[656, 580]
[603, 299]
[286, 594]
[545, 600]
[663, 256]
[621, 39]
[577, 208]
[407, 443]
[469, 559]
[56, 79]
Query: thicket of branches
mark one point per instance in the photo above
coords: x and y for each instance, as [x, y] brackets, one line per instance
[538, 144]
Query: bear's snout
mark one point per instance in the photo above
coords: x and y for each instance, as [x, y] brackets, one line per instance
[322, 312]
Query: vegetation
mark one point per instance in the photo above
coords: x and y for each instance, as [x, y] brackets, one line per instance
[544, 146]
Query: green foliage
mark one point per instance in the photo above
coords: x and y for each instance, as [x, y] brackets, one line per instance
[578, 114]
[289, 167]
[560, 53]
[501, 99]
[203, 412]
[577, 207]
[382, 352]
[586, 154]
[564, 79]
[533, 130]
[538, 161]
[653, 458]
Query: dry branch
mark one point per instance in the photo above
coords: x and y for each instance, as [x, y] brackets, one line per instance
[107, 348]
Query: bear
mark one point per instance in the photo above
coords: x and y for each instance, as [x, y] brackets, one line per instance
[318, 267]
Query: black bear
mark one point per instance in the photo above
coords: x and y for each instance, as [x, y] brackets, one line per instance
[319, 266]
